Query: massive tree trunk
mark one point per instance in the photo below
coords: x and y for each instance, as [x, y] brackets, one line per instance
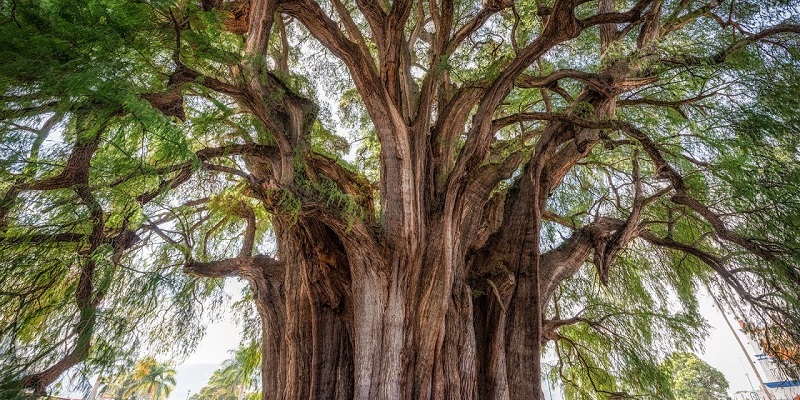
[443, 293]
[454, 312]
[345, 316]
[343, 319]
[365, 334]
[441, 288]
[441, 296]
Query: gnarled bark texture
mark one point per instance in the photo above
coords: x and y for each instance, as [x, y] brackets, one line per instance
[441, 289]
[443, 294]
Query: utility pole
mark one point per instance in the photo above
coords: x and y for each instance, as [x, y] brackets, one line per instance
[96, 387]
[764, 387]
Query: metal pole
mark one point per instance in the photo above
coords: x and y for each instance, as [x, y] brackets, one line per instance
[96, 387]
[549, 387]
[764, 388]
[746, 375]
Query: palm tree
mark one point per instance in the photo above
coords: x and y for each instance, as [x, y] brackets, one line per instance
[151, 380]
[240, 370]
[148, 380]
[114, 386]
[236, 377]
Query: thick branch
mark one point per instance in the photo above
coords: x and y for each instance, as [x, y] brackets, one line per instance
[261, 17]
[375, 16]
[183, 172]
[489, 8]
[528, 81]
[713, 261]
[565, 260]
[350, 26]
[664, 170]
[328, 33]
[682, 195]
[739, 44]
[561, 25]
[674, 104]
[629, 16]
[608, 247]
[76, 170]
[231, 267]
[42, 238]
[86, 300]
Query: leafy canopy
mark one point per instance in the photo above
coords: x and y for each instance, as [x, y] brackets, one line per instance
[694, 379]
[128, 154]
[236, 378]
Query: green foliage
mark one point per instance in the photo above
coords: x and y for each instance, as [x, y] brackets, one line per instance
[78, 68]
[625, 328]
[237, 377]
[333, 196]
[693, 379]
[147, 379]
[84, 73]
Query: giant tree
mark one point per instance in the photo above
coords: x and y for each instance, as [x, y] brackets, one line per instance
[526, 177]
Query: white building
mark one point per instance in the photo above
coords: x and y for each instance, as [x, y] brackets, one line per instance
[776, 381]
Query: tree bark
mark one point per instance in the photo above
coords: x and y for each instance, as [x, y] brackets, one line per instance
[341, 320]
[443, 292]
[443, 295]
